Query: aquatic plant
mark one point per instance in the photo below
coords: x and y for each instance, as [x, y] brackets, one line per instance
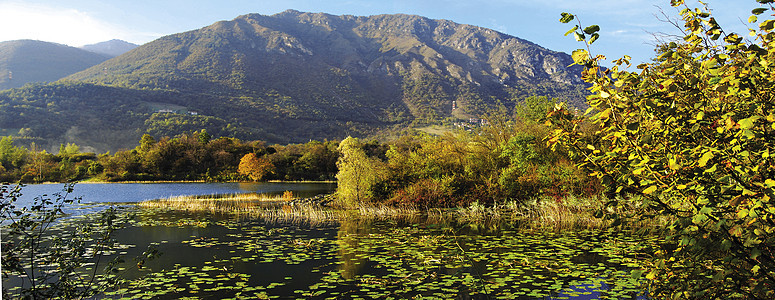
[373, 258]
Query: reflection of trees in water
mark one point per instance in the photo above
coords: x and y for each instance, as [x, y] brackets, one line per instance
[352, 255]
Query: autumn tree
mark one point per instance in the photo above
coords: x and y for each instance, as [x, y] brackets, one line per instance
[255, 167]
[689, 136]
[357, 173]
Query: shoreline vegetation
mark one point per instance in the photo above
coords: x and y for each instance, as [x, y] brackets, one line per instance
[201, 181]
[566, 215]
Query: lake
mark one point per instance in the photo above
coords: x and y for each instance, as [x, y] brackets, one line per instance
[217, 256]
[136, 192]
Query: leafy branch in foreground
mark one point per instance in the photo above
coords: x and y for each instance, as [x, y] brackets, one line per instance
[50, 258]
[693, 133]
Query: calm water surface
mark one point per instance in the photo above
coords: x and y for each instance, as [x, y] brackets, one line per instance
[106, 193]
[218, 256]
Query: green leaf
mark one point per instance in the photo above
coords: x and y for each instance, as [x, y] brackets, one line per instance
[636, 274]
[752, 19]
[566, 17]
[591, 29]
[758, 11]
[767, 25]
[755, 253]
[594, 38]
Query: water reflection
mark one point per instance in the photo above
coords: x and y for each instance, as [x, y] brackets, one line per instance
[352, 255]
[210, 255]
[136, 192]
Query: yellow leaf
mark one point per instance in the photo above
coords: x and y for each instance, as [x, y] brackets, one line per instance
[651, 276]
[705, 158]
[673, 164]
[729, 123]
[748, 123]
[579, 56]
[650, 189]
[604, 114]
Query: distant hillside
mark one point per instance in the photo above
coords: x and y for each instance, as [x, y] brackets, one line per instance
[295, 76]
[110, 48]
[25, 61]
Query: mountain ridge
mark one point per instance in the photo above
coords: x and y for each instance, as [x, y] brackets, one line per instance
[295, 76]
[27, 61]
[111, 48]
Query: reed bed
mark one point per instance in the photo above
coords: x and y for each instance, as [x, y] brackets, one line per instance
[297, 214]
[388, 212]
[561, 215]
[541, 213]
[215, 203]
[573, 213]
[272, 208]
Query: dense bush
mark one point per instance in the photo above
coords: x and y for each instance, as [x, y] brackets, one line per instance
[692, 135]
[506, 160]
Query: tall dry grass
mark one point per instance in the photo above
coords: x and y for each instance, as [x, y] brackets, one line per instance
[566, 214]
[213, 203]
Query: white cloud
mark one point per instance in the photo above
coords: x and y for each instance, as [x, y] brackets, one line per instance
[51, 24]
[497, 26]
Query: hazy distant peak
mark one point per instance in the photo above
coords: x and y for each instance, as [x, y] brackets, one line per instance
[112, 48]
[26, 61]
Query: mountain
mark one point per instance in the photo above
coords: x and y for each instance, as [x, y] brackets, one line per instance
[295, 76]
[110, 48]
[25, 61]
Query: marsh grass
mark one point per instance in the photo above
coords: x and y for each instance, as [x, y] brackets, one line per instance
[297, 214]
[567, 214]
[214, 203]
[369, 211]
[272, 208]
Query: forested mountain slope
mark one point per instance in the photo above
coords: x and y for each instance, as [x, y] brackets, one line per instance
[296, 76]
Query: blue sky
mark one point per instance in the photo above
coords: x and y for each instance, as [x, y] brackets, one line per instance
[626, 25]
